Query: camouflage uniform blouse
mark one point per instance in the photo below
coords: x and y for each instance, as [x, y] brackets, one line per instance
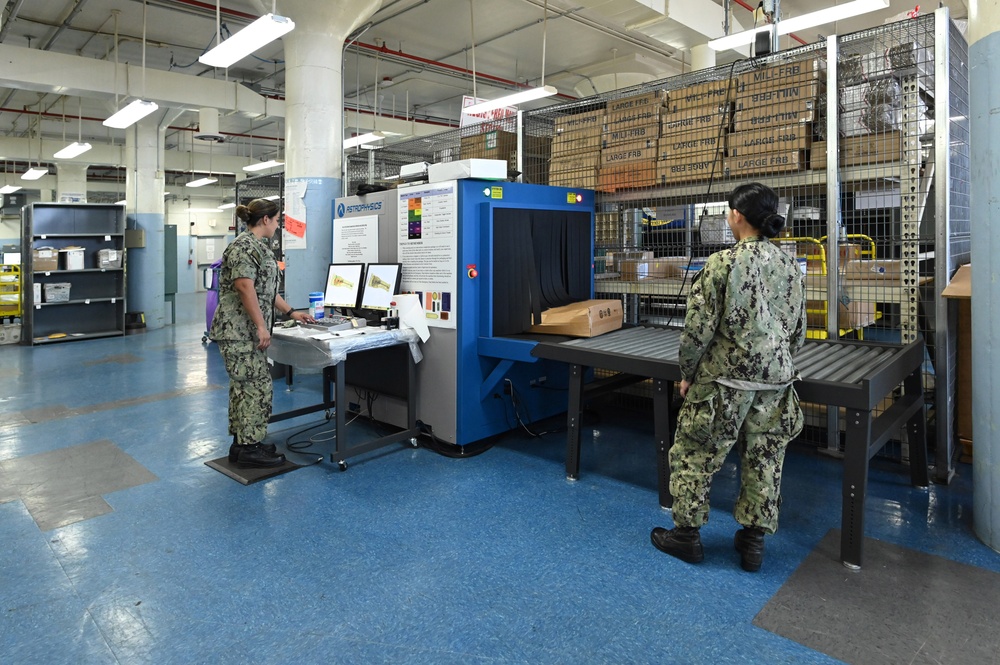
[745, 318]
[247, 256]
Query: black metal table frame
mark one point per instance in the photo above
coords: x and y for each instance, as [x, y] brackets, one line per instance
[866, 433]
[334, 375]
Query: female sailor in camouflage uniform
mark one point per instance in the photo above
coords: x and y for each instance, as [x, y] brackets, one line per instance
[248, 299]
[745, 320]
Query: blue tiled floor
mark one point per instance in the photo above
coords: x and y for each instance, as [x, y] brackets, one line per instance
[408, 557]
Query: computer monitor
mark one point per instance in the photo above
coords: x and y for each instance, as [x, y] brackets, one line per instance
[343, 285]
[381, 284]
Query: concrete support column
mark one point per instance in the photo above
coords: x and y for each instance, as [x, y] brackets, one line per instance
[314, 120]
[702, 57]
[71, 179]
[984, 89]
[144, 186]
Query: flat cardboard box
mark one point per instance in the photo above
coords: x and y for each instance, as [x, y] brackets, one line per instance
[580, 121]
[855, 314]
[691, 168]
[767, 162]
[861, 150]
[660, 268]
[574, 143]
[801, 111]
[712, 92]
[481, 169]
[588, 318]
[632, 175]
[647, 100]
[634, 118]
[45, 259]
[768, 95]
[622, 135]
[706, 142]
[637, 151]
[769, 139]
[960, 288]
[696, 119]
[585, 178]
[572, 162]
[813, 69]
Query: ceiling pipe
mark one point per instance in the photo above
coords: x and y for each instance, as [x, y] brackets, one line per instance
[10, 19]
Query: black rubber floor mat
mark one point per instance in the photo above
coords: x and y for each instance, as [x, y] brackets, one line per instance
[903, 606]
[251, 475]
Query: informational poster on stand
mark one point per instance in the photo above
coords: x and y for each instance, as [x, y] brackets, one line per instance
[355, 239]
[296, 223]
[427, 246]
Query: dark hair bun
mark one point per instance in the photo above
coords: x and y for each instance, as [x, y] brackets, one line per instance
[772, 225]
[243, 213]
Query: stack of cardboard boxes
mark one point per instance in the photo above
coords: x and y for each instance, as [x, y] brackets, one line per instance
[486, 141]
[629, 142]
[693, 132]
[776, 109]
[576, 149]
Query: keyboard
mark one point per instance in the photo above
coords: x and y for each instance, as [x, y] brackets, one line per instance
[336, 322]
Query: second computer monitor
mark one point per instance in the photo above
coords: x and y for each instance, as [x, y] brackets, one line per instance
[343, 285]
[381, 284]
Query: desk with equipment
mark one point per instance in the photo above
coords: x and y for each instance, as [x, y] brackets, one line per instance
[382, 360]
[852, 374]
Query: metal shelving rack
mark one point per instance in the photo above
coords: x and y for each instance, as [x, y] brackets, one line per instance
[96, 304]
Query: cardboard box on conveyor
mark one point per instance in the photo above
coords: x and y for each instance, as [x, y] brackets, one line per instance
[588, 318]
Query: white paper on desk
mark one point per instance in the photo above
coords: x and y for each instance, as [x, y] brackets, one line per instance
[411, 314]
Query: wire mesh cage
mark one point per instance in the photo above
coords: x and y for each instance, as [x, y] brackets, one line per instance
[854, 134]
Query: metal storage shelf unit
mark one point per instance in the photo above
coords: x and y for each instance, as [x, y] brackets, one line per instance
[95, 303]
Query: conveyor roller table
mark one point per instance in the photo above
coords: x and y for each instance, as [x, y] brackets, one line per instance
[852, 374]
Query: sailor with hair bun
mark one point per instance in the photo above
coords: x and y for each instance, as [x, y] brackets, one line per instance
[746, 319]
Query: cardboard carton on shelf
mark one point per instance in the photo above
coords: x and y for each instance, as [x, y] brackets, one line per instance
[855, 314]
[631, 175]
[711, 92]
[960, 289]
[45, 259]
[769, 139]
[782, 73]
[773, 115]
[647, 100]
[588, 318]
[653, 268]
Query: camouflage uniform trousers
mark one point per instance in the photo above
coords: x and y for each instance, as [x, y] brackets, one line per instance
[713, 418]
[250, 390]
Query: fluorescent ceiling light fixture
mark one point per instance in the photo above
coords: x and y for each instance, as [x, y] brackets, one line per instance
[370, 137]
[260, 166]
[74, 149]
[9, 189]
[201, 182]
[226, 206]
[511, 100]
[34, 173]
[131, 114]
[262, 31]
[812, 19]
[273, 197]
[121, 203]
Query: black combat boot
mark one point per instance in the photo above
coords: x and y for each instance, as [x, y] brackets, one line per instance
[749, 542]
[255, 455]
[683, 542]
[234, 450]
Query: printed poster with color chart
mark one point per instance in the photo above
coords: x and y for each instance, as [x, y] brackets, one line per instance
[427, 244]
